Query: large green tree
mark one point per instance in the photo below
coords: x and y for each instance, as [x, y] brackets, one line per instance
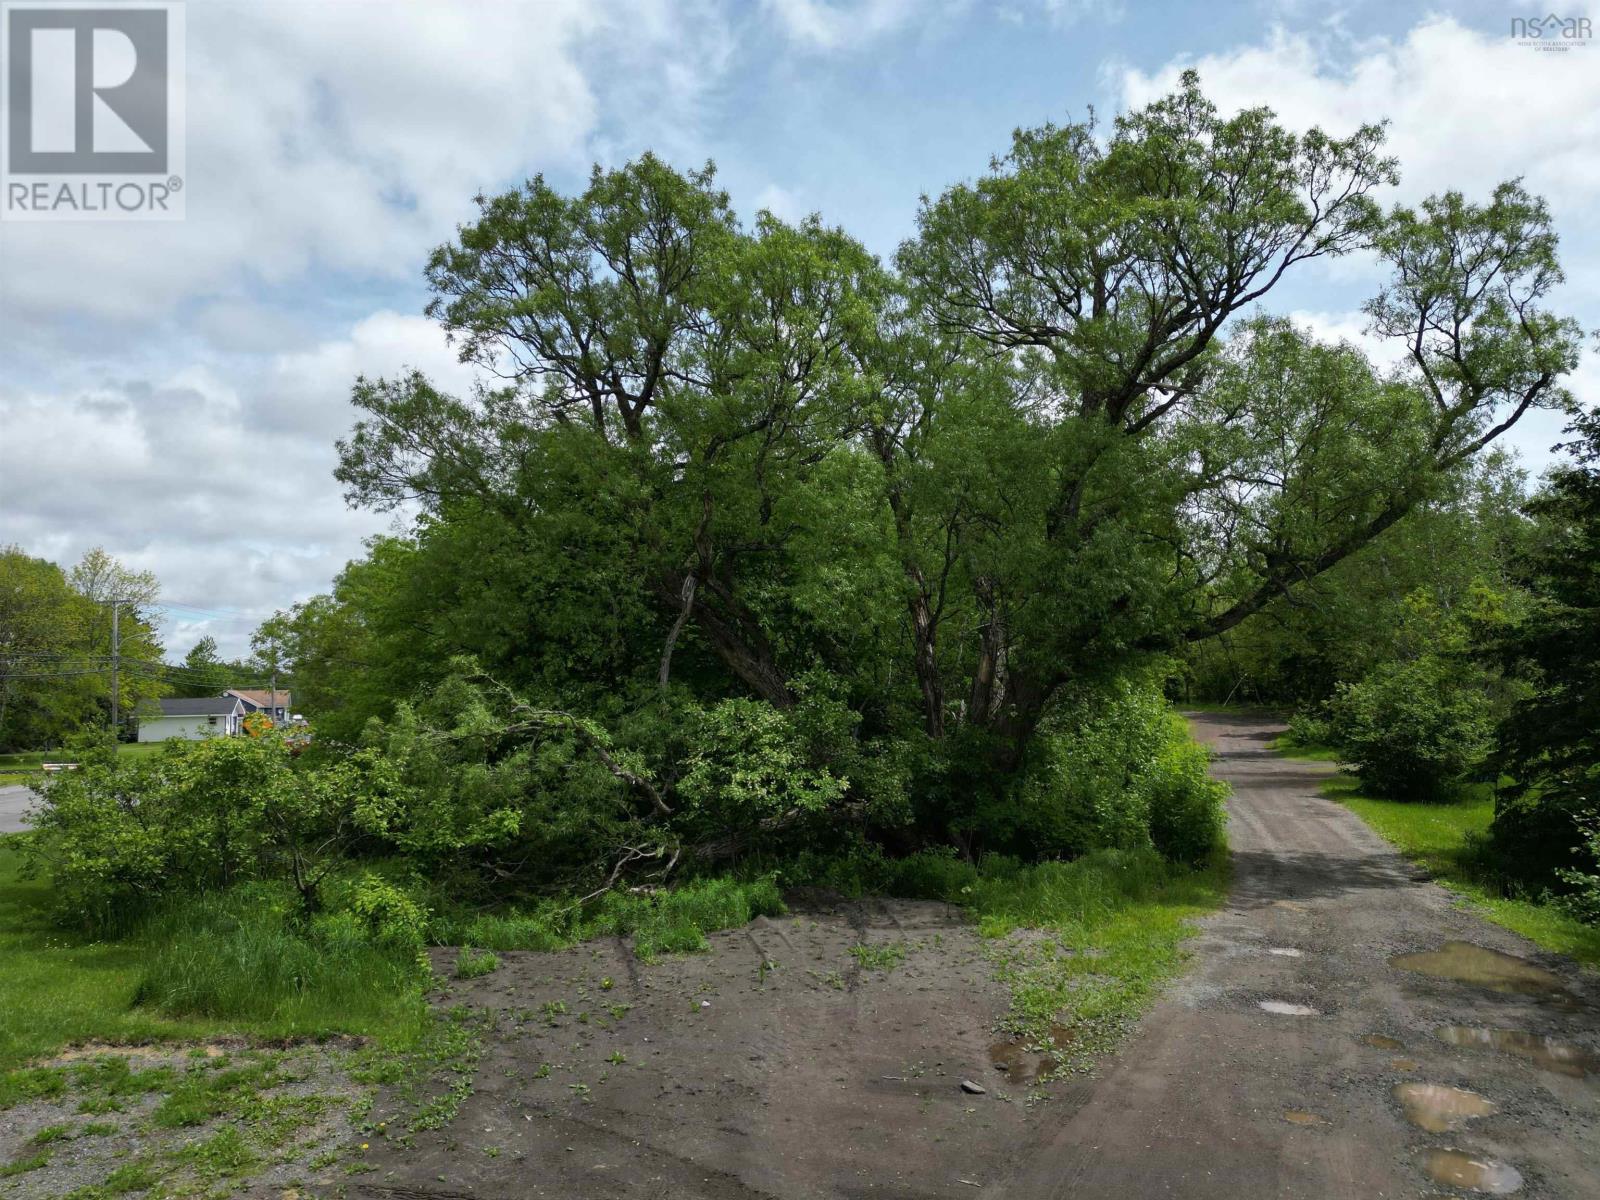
[1055, 439]
[1549, 744]
[56, 646]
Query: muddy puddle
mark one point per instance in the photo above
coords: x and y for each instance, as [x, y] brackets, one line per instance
[1465, 962]
[1459, 1169]
[1299, 1116]
[1285, 1008]
[1025, 1062]
[1441, 1109]
[1547, 1053]
[1380, 1041]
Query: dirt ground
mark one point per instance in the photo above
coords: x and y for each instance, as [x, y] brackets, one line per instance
[780, 1064]
[1345, 1030]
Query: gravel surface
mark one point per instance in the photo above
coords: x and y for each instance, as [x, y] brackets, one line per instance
[1265, 1074]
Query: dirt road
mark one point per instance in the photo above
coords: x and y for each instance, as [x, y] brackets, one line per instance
[783, 1065]
[1216, 1096]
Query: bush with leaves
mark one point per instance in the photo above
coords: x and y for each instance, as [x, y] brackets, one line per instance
[120, 832]
[1115, 770]
[1414, 730]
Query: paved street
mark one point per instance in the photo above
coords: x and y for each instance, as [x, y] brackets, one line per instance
[14, 801]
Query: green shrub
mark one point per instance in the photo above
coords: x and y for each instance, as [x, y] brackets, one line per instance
[749, 761]
[1115, 769]
[1183, 801]
[1309, 728]
[1413, 730]
[124, 832]
[390, 916]
[1583, 901]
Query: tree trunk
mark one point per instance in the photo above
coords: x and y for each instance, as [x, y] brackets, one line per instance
[735, 637]
[925, 633]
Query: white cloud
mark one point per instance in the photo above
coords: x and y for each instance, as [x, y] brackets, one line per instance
[841, 24]
[347, 137]
[218, 477]
[1467, 108]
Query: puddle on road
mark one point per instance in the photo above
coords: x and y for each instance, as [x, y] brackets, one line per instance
[1457, 1168]
[1025, 1063]
[1298, 1116]
[1284, 951]
[1284, 1009]
[1548, 1053]
[1403, 1064]
[1441, 1109]
[1383, 1042]
[1478, 965]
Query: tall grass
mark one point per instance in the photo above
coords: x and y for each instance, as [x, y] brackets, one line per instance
[674, 921]
[240, 956]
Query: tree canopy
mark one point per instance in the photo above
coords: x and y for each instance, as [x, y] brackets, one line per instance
[1058, 437]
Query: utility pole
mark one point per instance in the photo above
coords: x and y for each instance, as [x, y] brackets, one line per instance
[116, 663]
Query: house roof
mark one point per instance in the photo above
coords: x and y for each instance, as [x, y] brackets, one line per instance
[260, 697]
[205, 706]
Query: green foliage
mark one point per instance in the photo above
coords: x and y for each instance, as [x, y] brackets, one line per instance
[1460, 542]
[1309, 728]
[1549, 740]
[1583, 901]
[55, 646]
[246, 955]
[748, 763]
[958, 491]
[1114, 768]
[122, 831]
[390, 917]
[1413, 730]
[470, 963]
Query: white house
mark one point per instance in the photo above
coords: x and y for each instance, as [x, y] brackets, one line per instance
[193, 719]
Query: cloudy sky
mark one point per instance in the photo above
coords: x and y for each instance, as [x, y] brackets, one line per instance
[172, 391]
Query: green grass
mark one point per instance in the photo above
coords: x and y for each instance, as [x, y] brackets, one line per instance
[1117, 922]
[470, 963]
[58, 987]
[1447, 840]
[670, 922]
[24, 766]
[1287, 745]
[239, 956]
[201, 972]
